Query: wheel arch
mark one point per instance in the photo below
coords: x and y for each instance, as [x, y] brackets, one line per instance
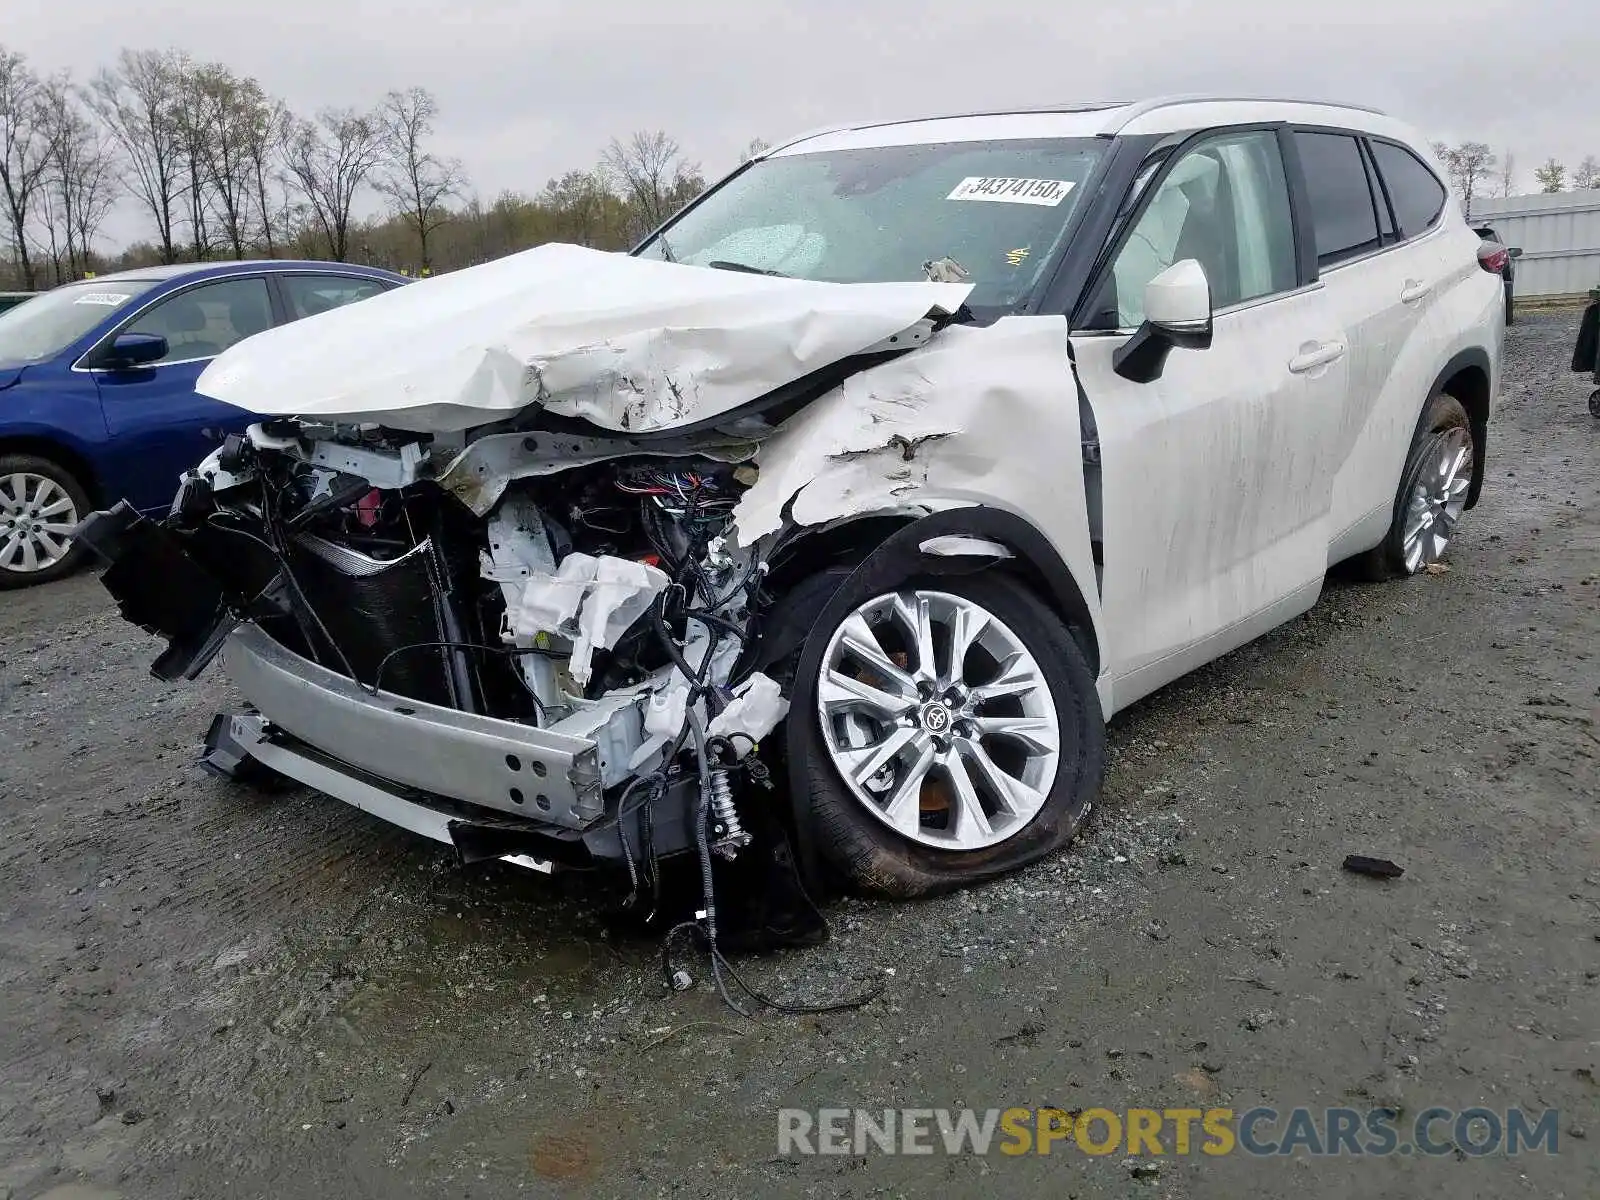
[58, 452]
[1467, 377]
[888, 545]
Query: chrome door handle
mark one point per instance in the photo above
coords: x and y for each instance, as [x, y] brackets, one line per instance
[1414, 291]
[1316, 355]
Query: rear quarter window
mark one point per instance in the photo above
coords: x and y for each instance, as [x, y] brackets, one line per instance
[1342, 211]
[1414, 191]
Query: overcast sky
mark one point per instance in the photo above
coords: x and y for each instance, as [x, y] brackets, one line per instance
[533, 88]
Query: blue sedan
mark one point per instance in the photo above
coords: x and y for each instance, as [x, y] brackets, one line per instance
[97, 399]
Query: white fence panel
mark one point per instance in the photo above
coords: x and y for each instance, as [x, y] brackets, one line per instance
[1560, 238]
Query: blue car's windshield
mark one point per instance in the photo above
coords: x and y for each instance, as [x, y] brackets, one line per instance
[997, 208]
[43, 327]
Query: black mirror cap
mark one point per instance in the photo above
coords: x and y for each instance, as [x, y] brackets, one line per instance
[1142, 357]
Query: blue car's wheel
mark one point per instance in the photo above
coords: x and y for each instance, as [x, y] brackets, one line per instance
[40, 504]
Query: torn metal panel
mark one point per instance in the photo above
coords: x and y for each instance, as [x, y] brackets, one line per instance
[630, 344]
[981, 415]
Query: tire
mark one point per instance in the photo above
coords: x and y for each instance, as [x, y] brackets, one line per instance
[862, 845]
[34, 490]
[1511, 315]
[1444, 430]
[1594, 403]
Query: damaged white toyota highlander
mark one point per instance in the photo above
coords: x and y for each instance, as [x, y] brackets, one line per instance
[830, 525]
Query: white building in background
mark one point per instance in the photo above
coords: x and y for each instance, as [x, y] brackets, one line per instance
[1559, 234]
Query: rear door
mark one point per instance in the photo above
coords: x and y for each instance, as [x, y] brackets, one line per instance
[159, 425]
[1215, 478]
[1374, 206]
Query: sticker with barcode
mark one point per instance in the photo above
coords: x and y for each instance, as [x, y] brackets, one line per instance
[109, 299]
[1010, 190]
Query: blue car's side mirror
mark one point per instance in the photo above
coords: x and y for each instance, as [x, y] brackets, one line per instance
[135, 350]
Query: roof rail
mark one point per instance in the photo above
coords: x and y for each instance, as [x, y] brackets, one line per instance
[1012, 110]
[1130, 112]
[1123, 112]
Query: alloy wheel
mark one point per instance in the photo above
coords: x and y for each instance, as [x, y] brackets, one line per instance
[1438, 499]
[37, 517]
[938, 719]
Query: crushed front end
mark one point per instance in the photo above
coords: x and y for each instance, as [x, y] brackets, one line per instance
[532, 648]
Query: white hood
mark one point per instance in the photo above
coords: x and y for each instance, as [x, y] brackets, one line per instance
[629, 344]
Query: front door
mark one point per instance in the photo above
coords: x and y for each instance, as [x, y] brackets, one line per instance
[1215, 478]
[159, 425]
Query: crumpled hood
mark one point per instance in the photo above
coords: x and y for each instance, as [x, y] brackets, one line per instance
[629, 344]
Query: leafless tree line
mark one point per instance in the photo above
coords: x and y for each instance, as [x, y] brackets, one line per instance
[1475, 170]
[218, 167]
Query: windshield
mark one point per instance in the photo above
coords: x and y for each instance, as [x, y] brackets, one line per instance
[43, 327]
[994, 209]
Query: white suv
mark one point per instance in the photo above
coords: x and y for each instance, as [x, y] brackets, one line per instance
[908, 453]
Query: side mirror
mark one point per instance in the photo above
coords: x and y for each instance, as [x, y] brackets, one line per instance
[135, 350]
[1515, 251]
[1177, 313]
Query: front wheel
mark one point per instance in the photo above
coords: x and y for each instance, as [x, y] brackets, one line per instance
[40, 503]
[950, 732]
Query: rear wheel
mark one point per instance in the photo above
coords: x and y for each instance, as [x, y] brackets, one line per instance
[951, 733]
[40, 503]
[1432, 496]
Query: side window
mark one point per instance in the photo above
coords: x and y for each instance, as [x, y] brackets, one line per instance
[1224, 203]
[1416, 193]
[202, 322]
[312, 294]
[1342, 211]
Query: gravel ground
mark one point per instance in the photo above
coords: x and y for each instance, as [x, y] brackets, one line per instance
[210, 991]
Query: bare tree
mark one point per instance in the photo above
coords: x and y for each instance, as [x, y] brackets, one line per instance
[136, 102]
[24, 153]
[1469, 164]
[1508, 174]
[1587, 175]
[329, 160]
[192, 110]
[266, 133]
[652, 176]
[230, 110]
[416, 182]
[756, 148]
[578, 202]
[80, 176]
[1552, 177]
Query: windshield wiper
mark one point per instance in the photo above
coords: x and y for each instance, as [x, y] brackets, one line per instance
[723, 264]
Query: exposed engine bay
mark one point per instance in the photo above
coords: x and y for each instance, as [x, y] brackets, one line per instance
[603, 604]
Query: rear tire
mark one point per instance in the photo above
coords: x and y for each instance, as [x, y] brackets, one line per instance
[940, 842]
[1432, 495]
[40, 502]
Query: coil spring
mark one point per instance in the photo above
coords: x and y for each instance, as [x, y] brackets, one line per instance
[722, 808]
